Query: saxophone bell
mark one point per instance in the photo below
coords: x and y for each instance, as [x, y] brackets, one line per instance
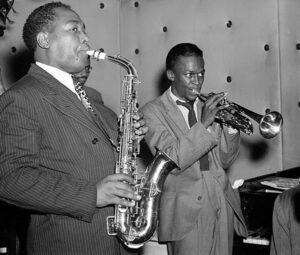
[270, 124]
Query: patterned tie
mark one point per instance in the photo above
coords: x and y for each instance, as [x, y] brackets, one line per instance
[82, 94]
[78, 84]
[204, 162]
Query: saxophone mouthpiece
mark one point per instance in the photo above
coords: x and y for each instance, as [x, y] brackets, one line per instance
[97, 54]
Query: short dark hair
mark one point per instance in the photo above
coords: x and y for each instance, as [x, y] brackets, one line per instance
[39, 20]
[182, 49]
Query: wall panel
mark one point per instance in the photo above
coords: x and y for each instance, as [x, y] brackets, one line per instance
[290, 79]
[240, 42]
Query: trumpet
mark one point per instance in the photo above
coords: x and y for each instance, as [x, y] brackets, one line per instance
[234, 116]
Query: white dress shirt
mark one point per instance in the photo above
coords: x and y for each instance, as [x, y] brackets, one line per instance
[63, 77]
[183, 109]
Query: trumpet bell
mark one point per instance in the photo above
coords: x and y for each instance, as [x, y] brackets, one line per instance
[270, 124]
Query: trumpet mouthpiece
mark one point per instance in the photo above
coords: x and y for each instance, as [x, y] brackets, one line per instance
[195, 92]
[96, 54]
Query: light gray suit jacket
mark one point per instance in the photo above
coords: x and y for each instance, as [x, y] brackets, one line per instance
[188, 190]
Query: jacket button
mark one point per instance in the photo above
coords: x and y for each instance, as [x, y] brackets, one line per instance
[199, 198]
[95, 140]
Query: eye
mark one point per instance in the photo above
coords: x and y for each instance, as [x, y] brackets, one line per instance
[188, 75]
[201, 74]
[75, 29]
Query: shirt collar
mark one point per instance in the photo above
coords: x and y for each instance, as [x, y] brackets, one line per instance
[63, 77]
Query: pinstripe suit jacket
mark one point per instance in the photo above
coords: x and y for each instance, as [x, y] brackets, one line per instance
[188, 192]
[52, 154]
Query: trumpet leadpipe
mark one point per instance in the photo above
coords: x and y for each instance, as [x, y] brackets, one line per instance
[202, 97]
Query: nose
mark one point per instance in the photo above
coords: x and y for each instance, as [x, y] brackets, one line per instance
[196, 79]
[84, 38]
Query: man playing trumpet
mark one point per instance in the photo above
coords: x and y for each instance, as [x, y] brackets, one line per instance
[199, 208]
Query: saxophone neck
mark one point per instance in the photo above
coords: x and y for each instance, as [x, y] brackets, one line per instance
[117, 59]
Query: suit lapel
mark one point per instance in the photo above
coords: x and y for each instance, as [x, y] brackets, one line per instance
[102, 124]
[72, 109]
[173, 112]
[66, 101]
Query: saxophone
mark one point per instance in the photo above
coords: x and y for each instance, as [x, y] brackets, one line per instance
[135, 225]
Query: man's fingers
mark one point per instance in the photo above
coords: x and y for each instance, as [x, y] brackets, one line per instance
[119, 178]
[124, 192]
[141, 131]
[138, 115]
[116, 189]
[124, 202]
[120, 186]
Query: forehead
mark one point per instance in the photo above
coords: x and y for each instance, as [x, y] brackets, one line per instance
[189, 63]
[66, 16]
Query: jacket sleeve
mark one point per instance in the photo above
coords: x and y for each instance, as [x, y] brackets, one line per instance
[24, 182]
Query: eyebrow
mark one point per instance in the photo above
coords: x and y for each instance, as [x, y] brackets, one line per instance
[77, 22]
[203, 71]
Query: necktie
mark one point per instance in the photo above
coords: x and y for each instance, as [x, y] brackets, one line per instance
[204, 162]
[191, 115]
[85, 101]
[82, 94]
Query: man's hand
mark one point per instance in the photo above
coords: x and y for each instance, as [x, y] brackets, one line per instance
[116, 189]
[139, 125]
[211, 107]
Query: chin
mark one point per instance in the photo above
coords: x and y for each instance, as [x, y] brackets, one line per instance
[80, 65]
[82, 59]
[193, 98]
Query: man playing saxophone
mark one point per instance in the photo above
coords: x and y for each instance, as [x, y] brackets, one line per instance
[199, 208]
[57, 148]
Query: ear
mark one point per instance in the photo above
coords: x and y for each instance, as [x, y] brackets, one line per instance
[170, 75]
[42, 40]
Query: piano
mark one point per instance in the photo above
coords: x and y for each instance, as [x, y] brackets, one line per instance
[257, 201]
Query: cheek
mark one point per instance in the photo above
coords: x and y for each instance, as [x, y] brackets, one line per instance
[64, 46]
[182, 81]
[61, 53]
[64, 57]
[181, 87]
[185, 84]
